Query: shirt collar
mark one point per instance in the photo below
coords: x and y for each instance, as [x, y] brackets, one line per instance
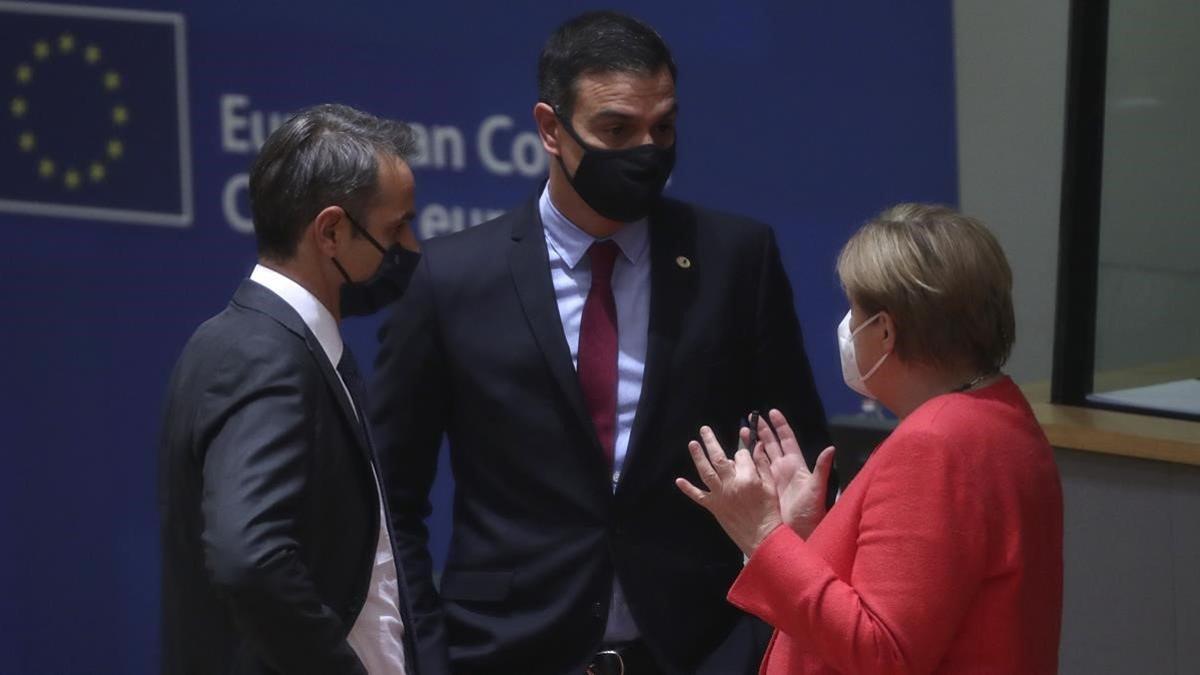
[572, 243]
[314, 314]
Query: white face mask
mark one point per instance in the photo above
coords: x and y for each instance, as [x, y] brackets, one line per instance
[850, 373]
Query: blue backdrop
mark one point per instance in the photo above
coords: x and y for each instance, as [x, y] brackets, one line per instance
[124, 141]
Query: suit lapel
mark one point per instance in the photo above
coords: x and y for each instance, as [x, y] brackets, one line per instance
[672, 288]
[257, 297]
[335, 385]
[530, 266]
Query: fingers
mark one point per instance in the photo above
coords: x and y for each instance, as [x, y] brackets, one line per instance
[694, 493]
[716, 454]
[821, 471]
[760, 453]
[821, 475]
[787, 437]
[824, 461]
[767, 437]
[704, 467]
[743, 462]
[762, 462]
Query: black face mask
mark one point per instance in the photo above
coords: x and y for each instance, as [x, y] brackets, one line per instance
[387, 284]
[620, 185]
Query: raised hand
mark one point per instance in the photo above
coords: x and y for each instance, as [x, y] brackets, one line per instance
[740, 497]
[801, 492]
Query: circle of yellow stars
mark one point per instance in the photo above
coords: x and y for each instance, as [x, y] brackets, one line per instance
[72, 176]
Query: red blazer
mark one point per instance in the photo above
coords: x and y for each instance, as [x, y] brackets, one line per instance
[943, 556]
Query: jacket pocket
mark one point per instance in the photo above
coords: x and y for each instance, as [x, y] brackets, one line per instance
[476, 586]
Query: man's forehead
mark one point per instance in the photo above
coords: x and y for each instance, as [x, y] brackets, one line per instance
[395, 181]
[622, 91]
[394, 168]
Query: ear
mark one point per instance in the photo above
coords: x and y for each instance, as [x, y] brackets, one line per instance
[547, 126]
[889, 331]
[324, 230]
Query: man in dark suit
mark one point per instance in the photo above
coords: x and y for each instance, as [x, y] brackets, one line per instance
[277, 557]
[569, 350]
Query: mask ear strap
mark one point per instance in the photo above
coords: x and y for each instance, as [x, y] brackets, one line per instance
[861, 377]
[374, 242]
[342, 270]
[875, 367]
[563, 165]
[364, 232]
[566, 124]
[571, 132]
[864, 324]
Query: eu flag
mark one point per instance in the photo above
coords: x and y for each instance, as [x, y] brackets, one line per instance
[93, 114]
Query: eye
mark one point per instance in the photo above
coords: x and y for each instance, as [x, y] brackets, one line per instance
[616, 131]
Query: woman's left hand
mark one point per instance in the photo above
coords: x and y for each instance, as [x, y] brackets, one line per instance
[741, 493]
[801, 492]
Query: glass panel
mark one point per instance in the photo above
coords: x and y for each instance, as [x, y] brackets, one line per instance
[1148, 304]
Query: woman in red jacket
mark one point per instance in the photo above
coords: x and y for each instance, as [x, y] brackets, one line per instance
[945, 553]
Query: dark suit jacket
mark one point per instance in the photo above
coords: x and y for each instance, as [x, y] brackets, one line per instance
[476, 350]
[270, 513]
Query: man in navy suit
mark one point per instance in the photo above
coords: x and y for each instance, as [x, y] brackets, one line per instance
[277, 552]
[569, 350]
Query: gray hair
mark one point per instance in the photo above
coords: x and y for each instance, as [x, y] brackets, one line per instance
[326, 155]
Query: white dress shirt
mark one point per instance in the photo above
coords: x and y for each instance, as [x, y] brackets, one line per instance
[571, 272]
[377, 634]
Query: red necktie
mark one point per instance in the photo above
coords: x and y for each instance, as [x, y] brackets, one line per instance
[598, 347]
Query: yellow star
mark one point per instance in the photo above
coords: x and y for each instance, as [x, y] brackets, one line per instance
[72, 179]
[46, 168]
[26, 141]
[115, 148]
[66, 43]
[91, 54]
[19, 107]
[24, 73]
[120, 115]
[96, 172]
[41, 50]
[112, 80]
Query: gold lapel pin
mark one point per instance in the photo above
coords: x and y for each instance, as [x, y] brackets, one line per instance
[684, 262]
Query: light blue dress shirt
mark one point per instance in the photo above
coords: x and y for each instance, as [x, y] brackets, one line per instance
[571, 272]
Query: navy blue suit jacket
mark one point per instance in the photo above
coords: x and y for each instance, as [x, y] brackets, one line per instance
[270, 513]
[475, 351]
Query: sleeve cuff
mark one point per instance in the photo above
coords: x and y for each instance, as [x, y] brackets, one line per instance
[776, 575]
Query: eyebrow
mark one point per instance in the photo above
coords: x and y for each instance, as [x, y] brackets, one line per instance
[609, 113]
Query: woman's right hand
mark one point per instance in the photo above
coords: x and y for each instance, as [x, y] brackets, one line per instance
[801, 492]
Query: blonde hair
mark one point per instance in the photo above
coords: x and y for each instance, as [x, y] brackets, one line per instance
[944, 280]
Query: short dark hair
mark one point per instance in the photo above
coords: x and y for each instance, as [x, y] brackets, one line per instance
[322, 156]
[597, 42]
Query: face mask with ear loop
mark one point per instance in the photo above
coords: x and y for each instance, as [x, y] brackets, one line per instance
[386, 285]
[850, 372]
[621, 185]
